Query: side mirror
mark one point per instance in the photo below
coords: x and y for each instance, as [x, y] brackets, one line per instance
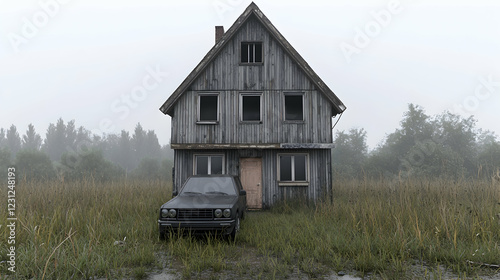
[174, 193]
[243, 192]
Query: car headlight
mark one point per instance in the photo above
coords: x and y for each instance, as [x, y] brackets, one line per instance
[172, 213]
[218, 213]
[164, 213]
[227, 213]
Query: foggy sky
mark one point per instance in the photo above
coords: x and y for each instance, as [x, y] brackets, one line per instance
[111, 64]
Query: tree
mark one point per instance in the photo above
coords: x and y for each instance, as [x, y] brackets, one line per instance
[31, 140]
[350, 152]
[89, 165]
[5, 162]
[125, 156]
[54, 144]
[459, 135]
[3, 141]
[400, 153]
[138, 142]
[488, 158]
[149, 169]
[34, 165]
[70, 136]
[13, 140]
[152, 146]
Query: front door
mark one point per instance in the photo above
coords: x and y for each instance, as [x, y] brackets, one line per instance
[251, 179]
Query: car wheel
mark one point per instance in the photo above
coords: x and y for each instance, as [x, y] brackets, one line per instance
[163, 235]
[236, 228]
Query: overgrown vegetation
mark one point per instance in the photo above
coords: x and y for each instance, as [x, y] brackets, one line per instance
[68, 230]
[387, 228]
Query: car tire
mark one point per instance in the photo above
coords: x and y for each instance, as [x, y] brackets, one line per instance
[163, 235]
[236, 228]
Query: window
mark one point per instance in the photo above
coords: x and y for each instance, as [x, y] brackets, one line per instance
[251, 52]
[250, 107]
[294, 107]
[208, 108]
[209, 164]
[292, 168]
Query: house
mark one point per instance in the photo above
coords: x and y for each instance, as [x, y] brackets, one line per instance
[253, 107]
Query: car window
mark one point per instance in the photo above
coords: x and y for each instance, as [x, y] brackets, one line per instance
[209, 185]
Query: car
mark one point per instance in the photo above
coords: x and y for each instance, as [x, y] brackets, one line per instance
[205, 203]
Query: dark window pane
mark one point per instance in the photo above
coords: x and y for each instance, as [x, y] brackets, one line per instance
[244, 52]
[201, 165]
[216, 165]
[251, 52]
[208, 107]
[285, 168]
[293, 108]
[258, 52]
[251, 108]
[300, 168]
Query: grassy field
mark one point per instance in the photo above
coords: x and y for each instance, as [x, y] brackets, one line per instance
[388, 230]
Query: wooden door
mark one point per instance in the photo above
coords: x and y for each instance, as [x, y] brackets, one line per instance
[251, 179]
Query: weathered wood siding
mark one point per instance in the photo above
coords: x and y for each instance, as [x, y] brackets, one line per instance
[278, 74]
[320, 181]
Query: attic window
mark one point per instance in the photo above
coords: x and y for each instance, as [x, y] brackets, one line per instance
[208, 108]
[294, 107]
[251, 52]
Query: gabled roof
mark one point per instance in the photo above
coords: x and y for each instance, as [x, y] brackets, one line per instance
[252, 9]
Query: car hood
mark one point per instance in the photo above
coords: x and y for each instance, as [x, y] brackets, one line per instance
[201, 201]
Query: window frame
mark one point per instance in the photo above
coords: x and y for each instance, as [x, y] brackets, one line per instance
[293, 182]
[243, 94]
[254, 62]
[290, 93]
[198, 117]
[195, 161]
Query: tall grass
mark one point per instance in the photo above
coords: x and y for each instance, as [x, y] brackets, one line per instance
[374, 226]
[69, 230]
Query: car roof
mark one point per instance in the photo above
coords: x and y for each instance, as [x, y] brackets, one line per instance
[213, 175]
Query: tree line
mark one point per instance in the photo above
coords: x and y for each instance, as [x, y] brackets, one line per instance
[440, 146]
[72, 153]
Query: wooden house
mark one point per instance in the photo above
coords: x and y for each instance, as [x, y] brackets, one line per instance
[253, 107]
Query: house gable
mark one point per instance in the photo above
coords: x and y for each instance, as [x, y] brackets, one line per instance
[228, 44]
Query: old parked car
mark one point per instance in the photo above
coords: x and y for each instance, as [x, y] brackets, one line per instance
[205, 203]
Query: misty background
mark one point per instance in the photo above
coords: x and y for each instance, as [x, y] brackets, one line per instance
[88, 60]
[443, 146]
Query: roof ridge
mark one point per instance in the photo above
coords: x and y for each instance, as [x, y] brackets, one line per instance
[252, 9]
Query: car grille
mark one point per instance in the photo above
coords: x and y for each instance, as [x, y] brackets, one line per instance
[195, 214]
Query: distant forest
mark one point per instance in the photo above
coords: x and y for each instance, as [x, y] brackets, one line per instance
[441, 146]
[444, 146]
[71, 153]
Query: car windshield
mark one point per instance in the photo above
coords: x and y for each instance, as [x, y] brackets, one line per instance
[209, 185]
